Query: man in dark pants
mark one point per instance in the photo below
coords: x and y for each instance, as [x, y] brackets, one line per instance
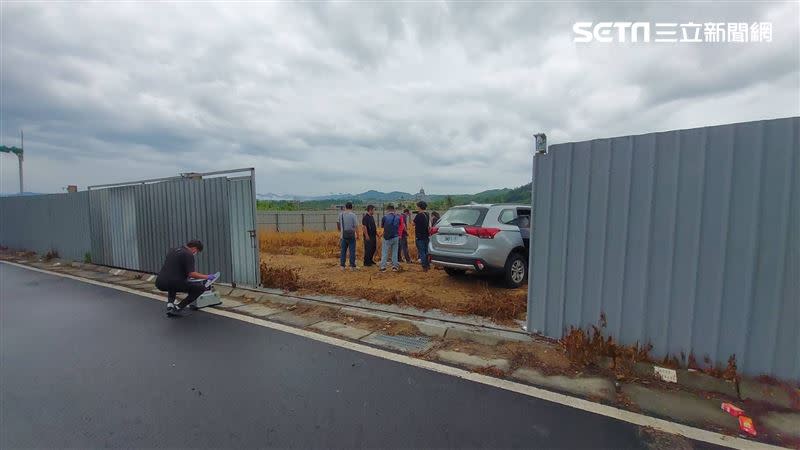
[348, 227]
[174, 275]
[422, 233]
[402, 252]
[370, 236]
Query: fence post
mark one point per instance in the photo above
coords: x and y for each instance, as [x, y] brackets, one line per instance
[277, 227]
[324, 225]
[302, 222]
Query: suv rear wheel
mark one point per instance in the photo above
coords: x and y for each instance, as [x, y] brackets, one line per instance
[454, 272]
[516, 270]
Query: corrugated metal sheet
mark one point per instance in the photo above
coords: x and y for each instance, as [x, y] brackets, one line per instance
[134, 226]
[46, 222]
[685, 239]
[291, 221]
[172, 212]
[244, 253]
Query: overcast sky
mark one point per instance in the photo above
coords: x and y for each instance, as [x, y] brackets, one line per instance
[345, 97]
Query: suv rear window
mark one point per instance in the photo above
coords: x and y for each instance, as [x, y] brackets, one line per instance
[463, 217]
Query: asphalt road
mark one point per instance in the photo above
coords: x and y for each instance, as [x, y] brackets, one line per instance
[87, 366]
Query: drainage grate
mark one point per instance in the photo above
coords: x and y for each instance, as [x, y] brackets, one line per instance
[409, 344]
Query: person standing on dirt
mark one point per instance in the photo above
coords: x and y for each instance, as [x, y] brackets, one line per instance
[391, 235]
[175, 273]
[405, 222]
[348, 227]
[434, 218]
[422, 233]
[370, 236]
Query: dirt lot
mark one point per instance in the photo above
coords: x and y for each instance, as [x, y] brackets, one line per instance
[308, 261]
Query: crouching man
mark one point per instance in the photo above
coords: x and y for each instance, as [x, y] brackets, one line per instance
[174, 276]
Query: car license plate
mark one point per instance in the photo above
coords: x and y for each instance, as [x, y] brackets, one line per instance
[450, 239]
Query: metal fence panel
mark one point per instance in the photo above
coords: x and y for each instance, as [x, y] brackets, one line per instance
[134, 225]
[685, 239]
[244, 245]
[69, 219]
[42, 223]
[294, 221]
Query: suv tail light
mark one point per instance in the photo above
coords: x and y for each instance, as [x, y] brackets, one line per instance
[483, 233]
[433, 230]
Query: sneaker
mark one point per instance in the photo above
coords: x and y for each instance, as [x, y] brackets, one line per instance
[383, 269]
[342, 268]
[353, 269]
[395, 269]
[170, 306]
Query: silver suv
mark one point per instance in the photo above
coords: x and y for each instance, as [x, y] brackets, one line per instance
[483, 238]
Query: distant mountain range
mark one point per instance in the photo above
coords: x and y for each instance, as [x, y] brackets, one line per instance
[520, 194]
[364, 196]
[17, 194]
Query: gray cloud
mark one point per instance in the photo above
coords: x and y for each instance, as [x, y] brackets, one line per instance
[332, 97]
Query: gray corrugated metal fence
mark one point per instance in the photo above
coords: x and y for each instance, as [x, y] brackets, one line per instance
[133, 225]
[685, 239]
[291, 221]
[241, 213]
[42, 223]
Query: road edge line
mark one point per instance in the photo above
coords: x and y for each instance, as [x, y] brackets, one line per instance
[635, 418]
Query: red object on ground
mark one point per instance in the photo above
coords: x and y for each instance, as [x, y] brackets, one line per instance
[732, 410]
[746, 425]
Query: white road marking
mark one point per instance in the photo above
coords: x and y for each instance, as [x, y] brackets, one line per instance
[530, 391]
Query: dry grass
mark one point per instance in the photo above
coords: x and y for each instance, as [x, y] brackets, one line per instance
[409, 287]
[51, 255]
[729, 372]
[308, 243]
[550, 359]
[279, 277]
[546, 357]
[400, 329]
[319, 244]
[315, 310]
[308, 261]
[491, 371]
[585, 347]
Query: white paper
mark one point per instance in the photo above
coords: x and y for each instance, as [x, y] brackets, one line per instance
[665, 374]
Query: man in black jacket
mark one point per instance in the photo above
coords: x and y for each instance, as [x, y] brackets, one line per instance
[370, 236]
[175, 273]
[422, 233]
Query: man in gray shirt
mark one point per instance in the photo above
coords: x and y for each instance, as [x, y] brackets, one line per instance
[348, 228]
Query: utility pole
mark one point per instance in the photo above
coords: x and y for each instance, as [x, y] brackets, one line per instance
[19, 157]
[19, 152]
